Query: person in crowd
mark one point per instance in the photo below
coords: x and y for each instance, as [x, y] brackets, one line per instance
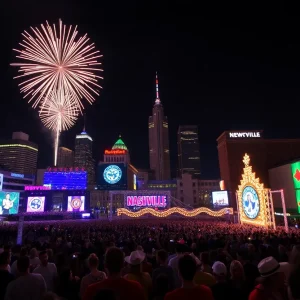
[51, 296]
[135, 271]
[13, 268]
[238, 280]
[250, 270]
[187, 268]
[204, 278]
[47, 270]
[161, 286]
[272, 281]
[122, 288]
[293, 284]
[163, 269]
[5, 276]
[34, 258]
[94, 276]
[27, 286]
[204, 259]
[222, 286]
[173, 263]
[68, 285]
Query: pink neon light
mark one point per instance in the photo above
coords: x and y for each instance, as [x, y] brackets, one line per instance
[147, 201]
[37, 188]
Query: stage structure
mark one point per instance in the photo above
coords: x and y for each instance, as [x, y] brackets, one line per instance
[255, 206]
[157, 203]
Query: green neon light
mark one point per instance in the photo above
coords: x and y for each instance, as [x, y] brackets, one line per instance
[119, 144]
[18, 145]
[295, 167]
[298, 199]
[296, 174]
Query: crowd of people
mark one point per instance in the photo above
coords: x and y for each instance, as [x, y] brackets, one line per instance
[149, 259]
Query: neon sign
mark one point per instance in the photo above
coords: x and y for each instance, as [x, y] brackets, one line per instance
[295, 168]
[245, 134]
[115, 152]
[37, 188]
[147, 201]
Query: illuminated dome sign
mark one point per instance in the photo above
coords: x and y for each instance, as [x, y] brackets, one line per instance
[119, 144]
[112, 174]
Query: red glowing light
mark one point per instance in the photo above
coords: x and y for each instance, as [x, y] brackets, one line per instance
[297, 175]
[115, 152]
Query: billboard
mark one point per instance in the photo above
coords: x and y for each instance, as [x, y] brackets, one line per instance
[1, 181]
[69, 180]
[35, 204]
[142, 199]
[220, 198]
[112, 177]
[76, 203]
[9, 203]
[295, 168]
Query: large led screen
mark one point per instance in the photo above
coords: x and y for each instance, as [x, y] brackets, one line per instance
[76, 180]
[220, 198]
[9, 203]
[36, 204]
[76, 203]
[112, 177]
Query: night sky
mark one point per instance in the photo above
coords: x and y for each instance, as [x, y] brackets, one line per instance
[220, 67]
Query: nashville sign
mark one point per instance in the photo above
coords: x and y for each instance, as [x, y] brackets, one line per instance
[244, 134]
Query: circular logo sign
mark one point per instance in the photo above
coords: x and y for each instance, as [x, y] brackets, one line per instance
[76, 203]
[35, 204]
[112, 174]
[250, 202]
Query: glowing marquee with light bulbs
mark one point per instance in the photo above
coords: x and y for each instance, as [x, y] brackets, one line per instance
[254, 205]
[174, 210]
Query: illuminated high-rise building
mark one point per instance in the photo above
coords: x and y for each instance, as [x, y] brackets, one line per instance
[84, 155]
[65, 157]
[159, 140]
[19, 155]
[188, 151]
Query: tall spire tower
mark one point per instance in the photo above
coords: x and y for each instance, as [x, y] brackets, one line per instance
[159, 140]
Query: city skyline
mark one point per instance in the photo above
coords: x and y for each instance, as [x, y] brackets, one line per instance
[217, 69]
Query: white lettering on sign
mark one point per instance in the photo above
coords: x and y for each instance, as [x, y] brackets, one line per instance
[244, 134]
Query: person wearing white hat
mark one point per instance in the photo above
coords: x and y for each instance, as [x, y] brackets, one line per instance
[134, 261]
[222, 286]
[273, 281]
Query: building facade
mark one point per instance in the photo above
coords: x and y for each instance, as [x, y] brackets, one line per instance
[159, 140]
[188, 151]
[264, 155]
[14, 182]
[19, 155]
[83, 157]
[116, 172]
[194, 192]
[65, 158]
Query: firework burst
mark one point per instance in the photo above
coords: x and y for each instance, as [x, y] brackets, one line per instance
[58, 113]
[55, 58]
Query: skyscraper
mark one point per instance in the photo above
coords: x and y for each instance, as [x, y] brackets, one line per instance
[188, 150]
[19, 154]
[84, 155]
[65, 157]
[159, 140]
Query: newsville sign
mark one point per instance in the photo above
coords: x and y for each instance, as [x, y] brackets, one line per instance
[246, 134]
